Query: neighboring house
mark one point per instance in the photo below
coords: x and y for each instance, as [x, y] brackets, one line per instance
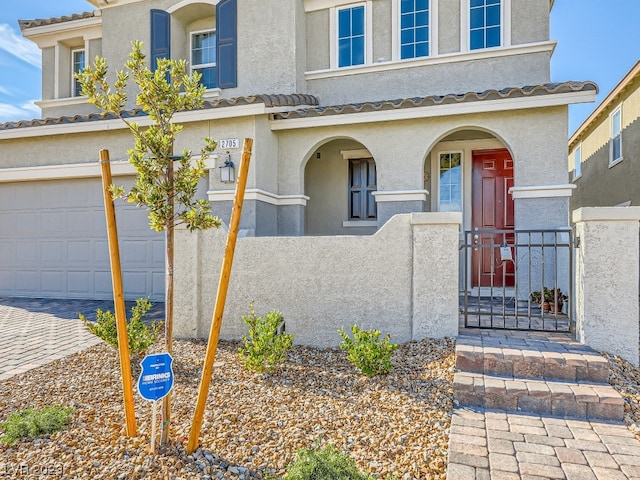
[605, 150]
[360, 110]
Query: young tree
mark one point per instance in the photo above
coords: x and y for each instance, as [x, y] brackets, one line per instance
[165, 184]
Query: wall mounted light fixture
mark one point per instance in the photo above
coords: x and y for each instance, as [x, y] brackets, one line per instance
[227, 170]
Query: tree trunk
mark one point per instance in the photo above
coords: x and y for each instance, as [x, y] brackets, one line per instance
[168, 305]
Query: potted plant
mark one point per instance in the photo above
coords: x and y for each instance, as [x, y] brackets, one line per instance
[540, 298]
[556, 299]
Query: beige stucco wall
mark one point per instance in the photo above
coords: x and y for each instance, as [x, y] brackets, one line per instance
[449, 26]
[607, 314]
[441, 79]
[336, 282]
[529, 21]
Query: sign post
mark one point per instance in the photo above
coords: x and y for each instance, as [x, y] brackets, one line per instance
[155, 382]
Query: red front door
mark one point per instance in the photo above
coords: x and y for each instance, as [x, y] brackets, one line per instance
[492, 209]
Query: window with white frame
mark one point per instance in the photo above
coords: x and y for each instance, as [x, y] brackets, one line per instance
[203, 57]
[450, 182]
[351, 35]
[414, 28]
[77, 66]
[615, 145]
[577, 162]
[485, 24]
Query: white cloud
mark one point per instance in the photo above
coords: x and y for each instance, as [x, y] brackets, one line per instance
[19, 47]
[11, 113]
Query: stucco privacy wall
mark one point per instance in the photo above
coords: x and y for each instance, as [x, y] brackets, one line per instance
[402, 280]
[607, 270]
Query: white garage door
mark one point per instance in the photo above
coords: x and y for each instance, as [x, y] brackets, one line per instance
[53, 243]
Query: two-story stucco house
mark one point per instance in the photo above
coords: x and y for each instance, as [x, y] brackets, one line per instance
[440, 110]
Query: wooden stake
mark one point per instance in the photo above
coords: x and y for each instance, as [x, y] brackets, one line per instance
[223, 285]
[118, 295]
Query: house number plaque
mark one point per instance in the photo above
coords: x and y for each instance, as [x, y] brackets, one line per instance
[227, 143]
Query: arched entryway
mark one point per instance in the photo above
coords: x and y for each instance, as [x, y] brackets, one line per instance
[340, 179]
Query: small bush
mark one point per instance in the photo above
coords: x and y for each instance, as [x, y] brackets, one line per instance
[266, 346]
[366, 351]
[140, 334]
[324, 464]
[32, 423]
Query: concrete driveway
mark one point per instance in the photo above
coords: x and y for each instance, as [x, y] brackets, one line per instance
[36, 331]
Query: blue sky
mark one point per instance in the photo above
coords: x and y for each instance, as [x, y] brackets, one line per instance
[594, 43]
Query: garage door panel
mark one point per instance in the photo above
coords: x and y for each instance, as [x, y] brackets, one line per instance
[53, 223]
[7, 279]
[53, 282]
[52, 253]
[81, 222]
[134, 253]
[103, 283]
[79, 252]
[27, 281]
[53, 242]
[27, 253]
[80, 282]
[134, 219]
[135, 283]
[158, 284]
[7, 253]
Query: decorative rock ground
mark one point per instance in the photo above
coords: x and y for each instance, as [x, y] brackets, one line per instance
[397, 424]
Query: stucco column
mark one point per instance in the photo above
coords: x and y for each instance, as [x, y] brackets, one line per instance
[607, 270]
[435, 274]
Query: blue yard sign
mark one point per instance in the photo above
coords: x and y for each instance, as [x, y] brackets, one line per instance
[156, 378]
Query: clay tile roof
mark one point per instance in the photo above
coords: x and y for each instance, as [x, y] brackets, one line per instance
[39, 22]
[272, 101]
[434, 100]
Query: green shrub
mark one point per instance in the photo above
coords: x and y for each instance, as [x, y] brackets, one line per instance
[266, 346]
[32, 423]
[139, 333]
[367, 352]
[324, 464]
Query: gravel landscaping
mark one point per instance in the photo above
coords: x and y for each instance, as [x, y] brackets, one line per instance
[625, 378]
[394, 426]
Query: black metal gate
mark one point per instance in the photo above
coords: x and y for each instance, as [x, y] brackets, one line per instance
[517, 280]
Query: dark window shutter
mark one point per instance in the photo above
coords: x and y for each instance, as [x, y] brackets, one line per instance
[160, 36]
[362, 184]
[227, 34]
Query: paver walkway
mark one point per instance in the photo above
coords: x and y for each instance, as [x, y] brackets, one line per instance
[34, 332]
[559, 421]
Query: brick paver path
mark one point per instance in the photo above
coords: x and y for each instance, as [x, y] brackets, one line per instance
[34, 332]
[533, 406]
[497, 445]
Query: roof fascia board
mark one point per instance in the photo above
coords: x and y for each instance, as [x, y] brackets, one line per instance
[606, 102]
[118, 124]
[43, 35]
[463, 108]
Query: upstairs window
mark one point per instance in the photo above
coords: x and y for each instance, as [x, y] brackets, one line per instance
[414, 28]
[362, 184]
[485, 18]
[577, 162]
[203, 57]
[77, 66]
[351, 36]
[615, 148]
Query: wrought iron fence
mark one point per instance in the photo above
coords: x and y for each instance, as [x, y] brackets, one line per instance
[521, 280]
